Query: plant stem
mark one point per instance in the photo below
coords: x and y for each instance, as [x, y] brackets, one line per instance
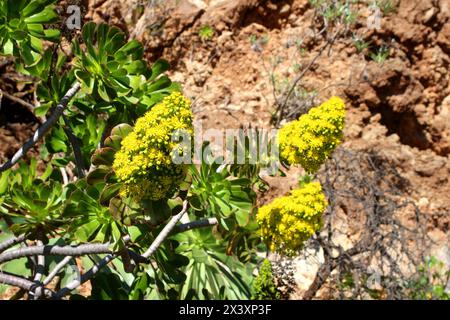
[209, 222]
[43, 129]
[166, 231]
[11, 242]
[76, 148]
[56, 270]
[22, 283]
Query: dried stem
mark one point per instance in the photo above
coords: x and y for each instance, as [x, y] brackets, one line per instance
[43, 129]
[166, 231]
[11, 242]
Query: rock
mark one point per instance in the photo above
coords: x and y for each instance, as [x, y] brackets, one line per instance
[353, 131]
[272, 6]
[444, 38]
[306, 267]
[375, 118]
[285, 9]
[374, 132]
[184, 14]
[429, 165]
[293, 18]
[423, 203]
[444, 10]
[225, 39]
[429, 15]
[226, 14]
[199, 4]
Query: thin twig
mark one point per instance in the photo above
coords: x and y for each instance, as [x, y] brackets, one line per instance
[91, 248]
[64, 176]
[153, 247]
[144, 21]
[301, 75]
[56, 270]
[43, 129]
[293, 85]
[22, 283]
[209, 222]
[85, 277]
[23, 103]
[166, 231]
[76, 148]
[11, 242]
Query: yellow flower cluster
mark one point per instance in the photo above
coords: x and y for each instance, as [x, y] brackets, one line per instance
[311, 139]
[144, 162]
[287, 222]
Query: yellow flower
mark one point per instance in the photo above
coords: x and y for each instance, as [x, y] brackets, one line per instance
[311, 139]
[144, 163]
[287, 222]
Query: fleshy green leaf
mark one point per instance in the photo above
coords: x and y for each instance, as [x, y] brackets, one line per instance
[121, 130]
[103, 156]
[109, 192]
[159, 67]
[96, 176]
[114, 142]
[48, 15]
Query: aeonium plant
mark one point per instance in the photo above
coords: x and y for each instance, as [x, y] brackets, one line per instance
[109, 196]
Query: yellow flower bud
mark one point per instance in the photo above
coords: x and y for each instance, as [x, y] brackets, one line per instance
[287, 222]
[311, 139]
[144, 162]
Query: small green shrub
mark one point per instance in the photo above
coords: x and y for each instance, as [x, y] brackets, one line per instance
[431, 283]
[264, 285]
[380, 55]
[206, 33]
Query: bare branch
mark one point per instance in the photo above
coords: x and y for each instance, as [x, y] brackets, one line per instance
[90, 274]
[166, 231]
[385, 252]
[22, 283]
[11, 242]
[91, 248]
[76, 148]
[85, 277]
[43, 129]
[39, 272]
[40, 267]
[56, 270]
[55, 250]
[70, 251]
[209, 222]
